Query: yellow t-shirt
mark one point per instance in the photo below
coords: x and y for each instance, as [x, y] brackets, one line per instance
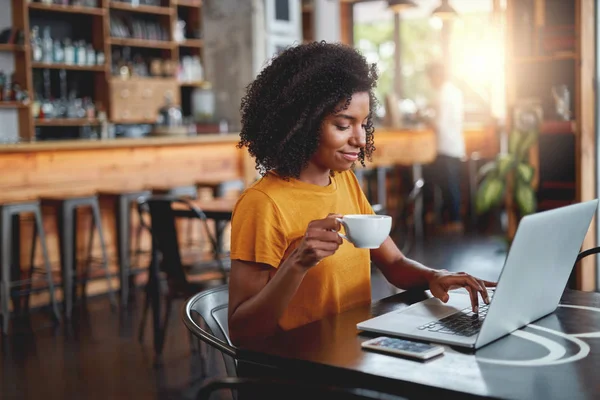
[268, 223]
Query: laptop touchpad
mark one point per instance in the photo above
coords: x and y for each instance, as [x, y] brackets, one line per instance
[431, 308]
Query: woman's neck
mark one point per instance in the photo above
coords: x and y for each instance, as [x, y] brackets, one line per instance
[315, 175]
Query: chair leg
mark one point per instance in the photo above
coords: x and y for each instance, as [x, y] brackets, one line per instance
[163, 335]
[65, 229]
[5, 236]
[31, 261]
[123, 246]
[138, 246]
[98, 222]
[90, 251]
[16, 262]
[42, 235]
[144, 317]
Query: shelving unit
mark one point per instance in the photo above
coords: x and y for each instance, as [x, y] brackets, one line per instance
[549, 45]
[125, 101]
[80, 10]
[541, 55]
[7, 47]
[67, 122]
[90, 68]
[142, 43]
[192, 43]
[13, 105]
[190, 12]
[156, 10]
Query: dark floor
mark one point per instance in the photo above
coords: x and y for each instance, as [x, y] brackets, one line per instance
[98, 355]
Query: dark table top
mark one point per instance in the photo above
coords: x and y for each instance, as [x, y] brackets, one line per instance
[556, 357]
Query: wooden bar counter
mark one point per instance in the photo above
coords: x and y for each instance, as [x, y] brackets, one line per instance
[79, 167]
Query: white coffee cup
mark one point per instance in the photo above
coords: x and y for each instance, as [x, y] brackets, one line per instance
[365, 231]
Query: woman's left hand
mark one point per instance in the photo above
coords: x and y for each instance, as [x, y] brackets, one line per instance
[443, 281]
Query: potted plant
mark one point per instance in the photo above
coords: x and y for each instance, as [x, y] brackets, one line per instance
[510, 171]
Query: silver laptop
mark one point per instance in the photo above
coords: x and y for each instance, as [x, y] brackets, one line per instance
[530, 286]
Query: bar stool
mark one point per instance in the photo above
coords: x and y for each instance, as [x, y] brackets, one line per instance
[122, 210]
[380, 174]
[66, 215]
[189, 191]
[219, 188]
[10, 254]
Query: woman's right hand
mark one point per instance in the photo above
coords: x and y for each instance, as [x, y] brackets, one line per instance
[320, 240]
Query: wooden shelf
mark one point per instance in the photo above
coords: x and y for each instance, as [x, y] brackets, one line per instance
[12, 104]
[11, 47]
[133, 121]
[66, 122]
[90, 68]
[67, 9]
[141, 9]
[543, 59]
[188, 3]
[156, 44]
[193, 43]
[191, 84]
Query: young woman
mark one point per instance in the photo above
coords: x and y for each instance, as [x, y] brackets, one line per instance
[307, 119]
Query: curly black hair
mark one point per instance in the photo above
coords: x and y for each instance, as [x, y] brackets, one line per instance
[283, 108]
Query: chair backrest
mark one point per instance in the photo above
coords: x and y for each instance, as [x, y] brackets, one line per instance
[164, 235]
[164, 231]
[211, 306]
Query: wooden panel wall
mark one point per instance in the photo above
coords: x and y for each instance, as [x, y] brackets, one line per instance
[586, 143]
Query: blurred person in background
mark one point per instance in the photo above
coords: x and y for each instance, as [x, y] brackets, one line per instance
[446, 120]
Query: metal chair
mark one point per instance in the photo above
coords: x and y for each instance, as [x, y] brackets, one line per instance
[12, 283]
[572, 278]
[166, 261]
[66, 217]
[212, 306]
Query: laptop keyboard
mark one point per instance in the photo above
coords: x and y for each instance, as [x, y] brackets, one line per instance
[464, 323]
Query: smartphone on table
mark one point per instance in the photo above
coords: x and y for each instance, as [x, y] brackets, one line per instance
[404, 347]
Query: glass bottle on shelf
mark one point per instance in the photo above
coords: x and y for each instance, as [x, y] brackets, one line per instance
[81, 53]
[47, 108]
[100, 58]
[91, 55]
[7, 92]
[69, 52]
[61, 104]
[36, 44]
[59, 53]
[47, 46]
[125, 67]
[35, 106]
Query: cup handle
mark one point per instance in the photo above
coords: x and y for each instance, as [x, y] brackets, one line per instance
[341, 221]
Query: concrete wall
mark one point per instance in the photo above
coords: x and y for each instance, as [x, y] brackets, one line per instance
[228, 53]
[327, 20]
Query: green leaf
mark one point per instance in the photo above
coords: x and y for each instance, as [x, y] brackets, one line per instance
[489, 194]
[513, 142]
[525, 198]
[487, 169]
[528, 139]
[525, 172]
[506, 162]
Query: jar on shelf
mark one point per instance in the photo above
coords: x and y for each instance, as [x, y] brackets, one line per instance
[203, 103]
